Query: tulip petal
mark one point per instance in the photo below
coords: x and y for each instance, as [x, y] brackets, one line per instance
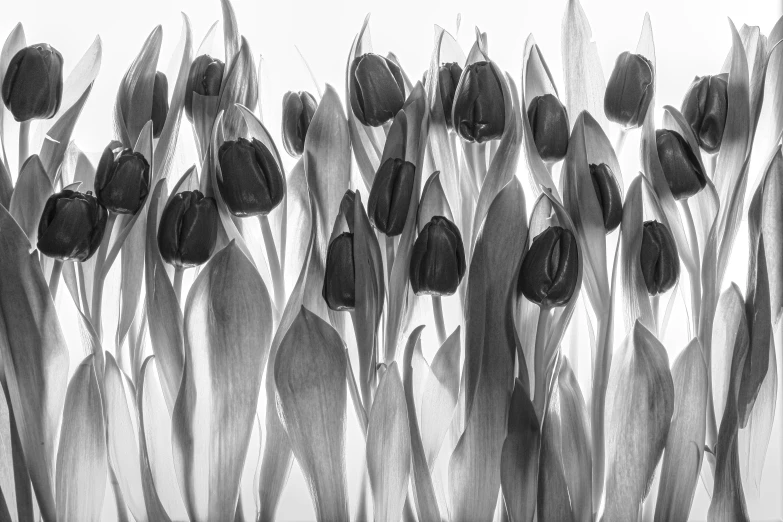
[30, 194]
[519, 457]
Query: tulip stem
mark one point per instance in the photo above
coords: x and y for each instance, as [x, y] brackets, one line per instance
[603, 362]
[274, 263]
[178, 273]
[54, 279]
[539, 358]
[389, 256]
[620, 143]
[99, 277]
[440, 325]
[24, 142]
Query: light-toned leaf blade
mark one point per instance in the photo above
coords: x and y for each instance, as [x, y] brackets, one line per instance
[519, 457]
[32, 190]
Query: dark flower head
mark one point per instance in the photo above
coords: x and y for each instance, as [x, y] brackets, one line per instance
[298, 111]
[448, 79]
[377, 89]
[438, 259]
[71, 226]
[187, 232]
[705, 108]
[629, 90]
[339, 289]
[205, 78]
[252, 182]
[549, 123]
[608, 193]
[550, 269]
[160, 103]
[680, 165]
[390, 196]
[479, 112]
[122, 180]
[658, 258]
[33, 83]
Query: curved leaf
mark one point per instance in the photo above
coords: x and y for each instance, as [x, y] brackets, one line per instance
[519, 457]
[133, 107]
[439, 396]
[240, 86]
[32, 190]
[433, 202]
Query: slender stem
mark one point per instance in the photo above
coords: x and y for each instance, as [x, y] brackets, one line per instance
[54, 279]
[540, 361]
[24, 143]
[389, 257]
[178, 272]
[98, 280]
[655, 302]
[620, 143]
[274, 263]
[600, 381]
[440, 324]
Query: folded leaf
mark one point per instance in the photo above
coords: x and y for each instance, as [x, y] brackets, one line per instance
[433, 202]
[519, 457]
[240, 86]
[134, 97]
[553, 500]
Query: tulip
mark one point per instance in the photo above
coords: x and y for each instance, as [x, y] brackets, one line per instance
[608, 193]
[71, 226]
[390, 196]
[549, 271]
[339, 290]
[658, 258]
[479, 112]
[252, 182]
[187, 232]
[705, 107]
[680, 165]
[298, 110]
[629, 90]
[205, 78]
[438, 259]
[33, 83]
[377, 89]
[122, 180]
[160, 103]
[549, 123]
[448, 79]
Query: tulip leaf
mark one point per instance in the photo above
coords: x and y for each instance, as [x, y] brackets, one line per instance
[14, 479]
[310, 372]
[232, 39]
[640, 405]
[297, 222]
[553, 500]
[240, 86]
[133, 108]
[58, 136]
[30, 194]
[519, 457]
[13, 44]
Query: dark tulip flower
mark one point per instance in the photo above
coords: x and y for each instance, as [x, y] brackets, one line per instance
[252, 183]
[608, 192]
[705, 107]
[680, 165]
[71, 226]
[438, 259]
[377, 89]
[187, 232]
[479, 112]
[629, 90]
[205, 77]
[298, 110]
[122, 180]
[549, 123]
[658, 258]
[448, 79]
[550, 269]
[33, 83]
[390, 196]
[339, 290]
[160, 103]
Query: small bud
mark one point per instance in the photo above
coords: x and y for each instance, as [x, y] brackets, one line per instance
[33, 83]
[339, 290]
[705, 107]
[71, 226]
[550, 269]
[629, 90]
[438, 259]
[680, 165]
[205, 77]
[187, 232]
[479, 112]
[448, 79]
[390, 196]
[658, 258]
[252, 183]
[549, 123]
[298, 110]
[608, 193]
[160, 103]
[122, 180]
[377, 89]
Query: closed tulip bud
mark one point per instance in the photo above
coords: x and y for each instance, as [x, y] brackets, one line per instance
[479, 112]
[377, 89]
[448, 79]
[658, 258]
[205, 78]
[390, 196]
[629, 90]
[705, 107]
[339, 290]
[122, 180]
[252, 183]
[33, 83]
[160, 103]
[549, 123]
[680, 165]
[71, 226]
[438, 259]
[187, 232]
[608, 193]
[298, 110]
[550, 268]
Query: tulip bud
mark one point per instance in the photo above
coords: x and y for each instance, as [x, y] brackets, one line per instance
[33, 83]
[479, 112]
[187, 232]
[658, 258]
[122, 180]
[705, 107]
[252, 183]
[377, 89]
[205, 77]
[549, 123]
[608, 193]
[160, 103]
[550, 269]
[298, 110]
[339, 290]
[390, 196]
[680, 165]
[629, 90]
[448, 79]
[438, 259]
[71, 226]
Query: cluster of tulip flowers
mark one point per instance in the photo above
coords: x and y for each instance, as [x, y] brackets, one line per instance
[495, 425]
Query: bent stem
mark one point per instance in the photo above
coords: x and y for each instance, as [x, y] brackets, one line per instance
[178, 273]
[620, 143]
[24, 142]
[603, 364]
[540, 361]
[440, 324]
[54, 279]
[100, 278]
[274, 262]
